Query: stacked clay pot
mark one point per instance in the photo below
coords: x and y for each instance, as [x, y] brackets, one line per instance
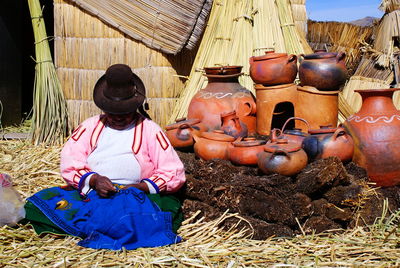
[223, 94]
[180, 132]
[274, 75]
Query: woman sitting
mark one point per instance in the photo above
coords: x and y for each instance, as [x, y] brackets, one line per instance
[120, 169]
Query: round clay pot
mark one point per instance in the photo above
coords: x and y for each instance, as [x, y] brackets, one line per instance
[212, 145]
[328, 141]
[232, 126]
[223, 70]
[294, 136]
[324, 71]
[244, 152]
[273, 68]
[223, 93]
[282, 157]
[375, 130]
[180, 133]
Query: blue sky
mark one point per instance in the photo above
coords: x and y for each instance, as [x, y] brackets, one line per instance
[342, 10]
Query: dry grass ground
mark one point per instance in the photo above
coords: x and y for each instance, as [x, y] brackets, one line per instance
[204, 245]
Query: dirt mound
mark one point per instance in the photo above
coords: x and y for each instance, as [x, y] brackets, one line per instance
[325, 195]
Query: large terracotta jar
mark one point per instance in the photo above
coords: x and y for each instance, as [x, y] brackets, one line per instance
[273, 68]
[325, 71]
[223, 93]
[376, 133]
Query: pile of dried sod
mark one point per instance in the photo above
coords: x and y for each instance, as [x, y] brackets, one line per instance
[205, 243]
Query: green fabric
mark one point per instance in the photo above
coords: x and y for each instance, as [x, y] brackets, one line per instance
[41, 224]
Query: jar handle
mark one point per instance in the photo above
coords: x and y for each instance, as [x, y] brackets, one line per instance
[295, 118]
[340, 56]
[280, 152]
[291, 58]
[249, 109]
[338, 132]
[274, 135]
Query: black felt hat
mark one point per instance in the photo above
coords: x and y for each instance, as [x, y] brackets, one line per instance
[119, 90]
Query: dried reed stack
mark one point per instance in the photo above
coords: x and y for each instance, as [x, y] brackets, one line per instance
[237, 30]
[49, 120]
[299, 15]
[388, 6]
[85, 47]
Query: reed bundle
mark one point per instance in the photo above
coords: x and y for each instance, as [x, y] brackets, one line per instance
[163, 25]
[237, 30]
[299, 15]
[387, 34]
[388, 6]
[49, 120]
[34, 168]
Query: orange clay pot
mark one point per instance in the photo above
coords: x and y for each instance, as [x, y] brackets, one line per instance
[282, 157]
[223, 93]
[212, 145]
[325, 71]
[328, 141]
[273, 68]
[244, 152]
[376, 133]
[180, 133]
[232, 126]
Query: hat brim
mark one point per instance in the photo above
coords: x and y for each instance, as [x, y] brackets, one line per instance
[121, 106]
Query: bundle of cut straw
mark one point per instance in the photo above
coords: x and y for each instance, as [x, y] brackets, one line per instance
[49, 122]
[388, 6]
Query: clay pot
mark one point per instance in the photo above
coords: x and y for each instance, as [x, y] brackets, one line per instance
[267, 100]
[273, 68]
[295, 135]
[328, 141]
[212, 145]
[325, 71]
[232, 126]
[375, 130]
[318, 108]
[180, 133]
[223, 93]
[244, 152]
[282, 157]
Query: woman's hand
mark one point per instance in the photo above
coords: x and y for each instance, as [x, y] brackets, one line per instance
[102, 185]
[141, 186]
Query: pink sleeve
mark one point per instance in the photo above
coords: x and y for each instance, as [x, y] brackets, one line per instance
[73, 162]
[168, 174]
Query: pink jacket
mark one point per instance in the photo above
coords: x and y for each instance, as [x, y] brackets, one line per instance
[159, 162]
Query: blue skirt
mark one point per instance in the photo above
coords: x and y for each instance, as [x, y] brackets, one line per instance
[127, 219]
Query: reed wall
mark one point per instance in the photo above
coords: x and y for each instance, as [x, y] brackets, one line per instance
[85, 47]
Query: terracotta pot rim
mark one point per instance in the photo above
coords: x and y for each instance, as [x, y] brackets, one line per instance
[320, 55]
[248, 143]
[223, 75]
[217, 136]
[269, 55]
[262, 87]
[191, 122]
[314, 90]
[392, 89]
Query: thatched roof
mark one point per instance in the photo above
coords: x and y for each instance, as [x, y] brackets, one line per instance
[167, 25]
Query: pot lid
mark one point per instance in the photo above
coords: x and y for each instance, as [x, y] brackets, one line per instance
[321, 55]
[183, 121]
[217, 135]
[282, 144]
[270, 55]
[323, 130]
[249, 143]
[223, 70]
